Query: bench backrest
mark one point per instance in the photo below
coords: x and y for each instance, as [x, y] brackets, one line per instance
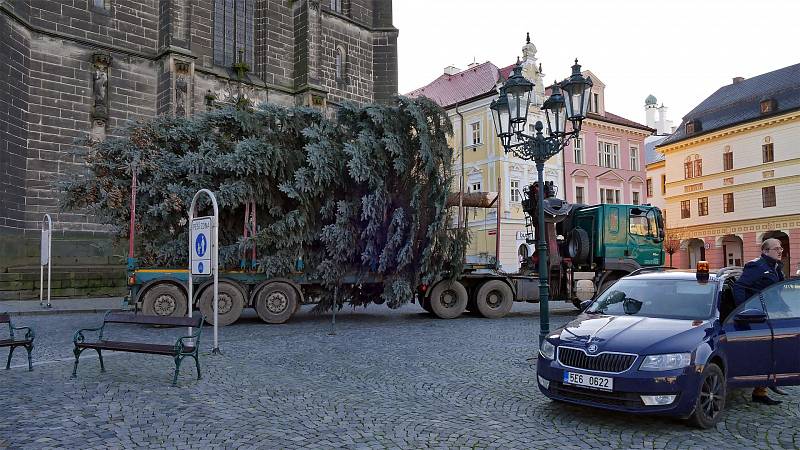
[5, 318]
[153, 320]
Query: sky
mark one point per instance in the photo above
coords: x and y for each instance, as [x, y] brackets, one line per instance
[681, 51]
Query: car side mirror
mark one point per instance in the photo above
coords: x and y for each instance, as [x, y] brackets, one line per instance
[585, 304]
[751, 316]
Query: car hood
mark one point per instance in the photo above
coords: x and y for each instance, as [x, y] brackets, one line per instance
[633, 334]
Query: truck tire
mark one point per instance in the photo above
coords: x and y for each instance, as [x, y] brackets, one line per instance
[448, 299]
[231, 302]
[578, 245]
[164, 299]
[276, 303]
[494, 299]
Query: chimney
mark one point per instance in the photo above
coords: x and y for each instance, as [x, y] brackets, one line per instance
[451, 70]
[737, 80]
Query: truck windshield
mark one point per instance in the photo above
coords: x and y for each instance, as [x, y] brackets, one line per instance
[668, 299]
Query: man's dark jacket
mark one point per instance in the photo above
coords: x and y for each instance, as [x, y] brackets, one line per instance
[757, 275]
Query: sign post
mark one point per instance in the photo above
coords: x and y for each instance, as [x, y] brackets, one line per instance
[45, 260]
[203, 255]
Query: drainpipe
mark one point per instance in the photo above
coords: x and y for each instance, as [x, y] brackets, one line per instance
[461, 178]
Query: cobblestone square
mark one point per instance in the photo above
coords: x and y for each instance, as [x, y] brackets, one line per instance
[386, 379]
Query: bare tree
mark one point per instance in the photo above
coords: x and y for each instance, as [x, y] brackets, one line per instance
[672, 243]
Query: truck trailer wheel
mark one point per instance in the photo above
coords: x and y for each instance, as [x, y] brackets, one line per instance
[164, 299]
[276, 302]
[231, 302]
[448, 299]
[494, 299]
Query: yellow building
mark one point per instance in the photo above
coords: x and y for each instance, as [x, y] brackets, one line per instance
[467, 95]
[733, 173]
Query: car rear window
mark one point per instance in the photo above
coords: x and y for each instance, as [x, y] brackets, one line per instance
[661, 298]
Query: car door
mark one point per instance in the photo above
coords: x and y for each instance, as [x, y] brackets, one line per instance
[747, 347]
[782, 301]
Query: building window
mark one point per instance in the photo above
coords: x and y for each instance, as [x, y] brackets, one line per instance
[768, 196]
[597, 103]
[475, 128]
[727, 160]
[475, 187]
[579, 197]
[727, 203]
[608, 155]
[689, 127]
[693, 167]
[649, 188]
[635, 196]
[610, 196]
[767, 152]
[663, 184]
[101, 4]
[340, 63]
[634, 158]
[233, 31]
[686, 209]
[515, 192]
[578, 148]
[336, 5]
[702, 206]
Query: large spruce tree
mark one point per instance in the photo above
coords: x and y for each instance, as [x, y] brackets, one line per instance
[357, 197]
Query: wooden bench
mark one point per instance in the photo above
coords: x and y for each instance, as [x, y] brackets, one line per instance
[15, 341]
[179, 351]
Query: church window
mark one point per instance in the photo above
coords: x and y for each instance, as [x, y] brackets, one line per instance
[233, 31]
[101, 5]
[336, 5]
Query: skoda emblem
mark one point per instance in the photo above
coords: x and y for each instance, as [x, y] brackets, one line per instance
[592, 348]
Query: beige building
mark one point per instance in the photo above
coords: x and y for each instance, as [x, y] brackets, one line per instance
[733, 173]
[467, 95]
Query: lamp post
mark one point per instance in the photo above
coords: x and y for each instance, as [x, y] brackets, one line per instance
[567, 102]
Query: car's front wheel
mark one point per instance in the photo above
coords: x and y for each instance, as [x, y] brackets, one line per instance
[711, 400]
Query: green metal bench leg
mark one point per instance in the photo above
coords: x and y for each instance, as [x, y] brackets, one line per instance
[100, 355]
[77, 353]
[10, 352]
[197, 364]
[29, 348]
[178, 361]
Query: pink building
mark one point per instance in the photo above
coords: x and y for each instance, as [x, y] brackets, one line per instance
[606, 164]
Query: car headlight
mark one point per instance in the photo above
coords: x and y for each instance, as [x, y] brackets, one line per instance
[547, 349]
[670, 361]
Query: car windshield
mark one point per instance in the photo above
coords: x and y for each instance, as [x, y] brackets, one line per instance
[662, 298]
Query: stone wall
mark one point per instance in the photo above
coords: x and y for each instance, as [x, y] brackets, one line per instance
[72, 71]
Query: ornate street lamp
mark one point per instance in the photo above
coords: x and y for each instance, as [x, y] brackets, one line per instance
[568, 101]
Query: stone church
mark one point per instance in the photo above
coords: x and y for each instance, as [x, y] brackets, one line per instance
[75, 69]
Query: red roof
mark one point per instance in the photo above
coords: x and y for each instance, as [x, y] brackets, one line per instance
[619, 120]
[447, 90]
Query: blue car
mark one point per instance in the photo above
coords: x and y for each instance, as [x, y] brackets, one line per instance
[672, 342]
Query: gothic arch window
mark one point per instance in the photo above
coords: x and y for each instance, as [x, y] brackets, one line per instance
[340, 64]
[233, 31]
[336, 5]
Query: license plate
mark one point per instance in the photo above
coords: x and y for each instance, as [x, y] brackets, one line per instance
[589, 381]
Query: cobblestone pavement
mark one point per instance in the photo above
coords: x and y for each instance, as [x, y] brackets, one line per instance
[386, 379]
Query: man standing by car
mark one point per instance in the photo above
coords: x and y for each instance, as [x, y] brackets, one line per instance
[757, 275]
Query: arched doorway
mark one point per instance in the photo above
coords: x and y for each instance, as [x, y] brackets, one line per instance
[786, 259]
[732, 252]
[697, 251]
